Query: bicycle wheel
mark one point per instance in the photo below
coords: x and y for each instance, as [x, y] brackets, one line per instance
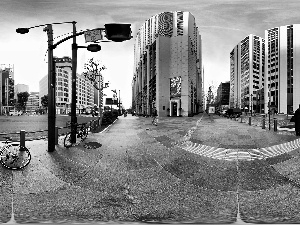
[13, 157]
[67, 141]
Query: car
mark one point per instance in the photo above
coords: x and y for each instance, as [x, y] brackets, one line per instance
[235, 112]
[15, 113]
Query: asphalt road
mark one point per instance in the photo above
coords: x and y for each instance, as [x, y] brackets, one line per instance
[13, 124]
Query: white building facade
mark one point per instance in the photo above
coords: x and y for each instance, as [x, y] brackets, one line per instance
[247, 74]
[84, 88]
[168, 66]
[282, 68]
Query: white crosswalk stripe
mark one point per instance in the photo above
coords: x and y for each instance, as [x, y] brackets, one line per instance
[240, 154]
[235, 154]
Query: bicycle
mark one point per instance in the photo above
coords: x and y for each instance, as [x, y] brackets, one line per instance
[81, 133]
[13, 156]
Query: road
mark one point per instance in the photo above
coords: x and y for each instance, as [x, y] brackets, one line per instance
[13, 124]
[140, 172]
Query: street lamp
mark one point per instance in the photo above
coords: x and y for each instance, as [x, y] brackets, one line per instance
[52, 79]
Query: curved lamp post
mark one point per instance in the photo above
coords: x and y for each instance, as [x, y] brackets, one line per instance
[52, 79]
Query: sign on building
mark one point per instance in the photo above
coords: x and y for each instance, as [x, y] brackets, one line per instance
[93, 35]
[211, 109]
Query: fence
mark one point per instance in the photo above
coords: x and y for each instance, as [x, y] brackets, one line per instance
[93, 126]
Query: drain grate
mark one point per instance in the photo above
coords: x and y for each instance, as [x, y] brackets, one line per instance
[92, 145]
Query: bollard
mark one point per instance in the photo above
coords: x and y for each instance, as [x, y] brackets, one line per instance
[264, 122]
[56, 135]
[241, 119]
[250, 120]
[22, 139]
[275, 124]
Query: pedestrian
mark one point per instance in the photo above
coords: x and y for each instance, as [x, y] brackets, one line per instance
[297, 121]
[154, 117]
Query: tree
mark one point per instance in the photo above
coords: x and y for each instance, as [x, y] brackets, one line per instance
[44, 101]
[22, 99]
[92, 71]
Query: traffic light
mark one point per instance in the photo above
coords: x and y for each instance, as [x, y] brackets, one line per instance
[93, 48]
[118, 32]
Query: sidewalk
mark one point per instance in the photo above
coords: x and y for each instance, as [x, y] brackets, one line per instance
[135, 171]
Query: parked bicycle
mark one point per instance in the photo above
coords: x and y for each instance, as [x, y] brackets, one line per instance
[81, 132]
[13, 156]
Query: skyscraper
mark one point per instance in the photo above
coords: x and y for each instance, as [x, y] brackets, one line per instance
[168, 66]
[247, 74]
[282, 68]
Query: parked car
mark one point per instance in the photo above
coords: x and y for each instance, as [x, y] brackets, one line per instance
[15, 113]
[235, 112]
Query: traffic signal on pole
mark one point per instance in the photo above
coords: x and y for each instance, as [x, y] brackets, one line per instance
[118, 32]
[93, 48]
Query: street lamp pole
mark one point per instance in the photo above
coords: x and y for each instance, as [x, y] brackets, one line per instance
[51, 91]
[74, 100]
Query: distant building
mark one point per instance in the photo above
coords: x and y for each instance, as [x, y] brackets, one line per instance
[6, 89]
[33, 102]
[247, 73]
[84, 90]
[168, 66]
[222, 99]
[21, 88]
[282, 68]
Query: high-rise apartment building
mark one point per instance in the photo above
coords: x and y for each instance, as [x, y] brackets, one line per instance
[247, 74]
[168, 66]
[282, 68]
[84, 88]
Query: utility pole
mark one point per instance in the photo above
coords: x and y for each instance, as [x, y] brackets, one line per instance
[74, 100]
[51, 91]
[119, 103]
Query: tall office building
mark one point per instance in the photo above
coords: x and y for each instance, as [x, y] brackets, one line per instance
[222, 99]
[6, 88]
[84, 88]
[247, 74]
[168, 66]
[282, 68]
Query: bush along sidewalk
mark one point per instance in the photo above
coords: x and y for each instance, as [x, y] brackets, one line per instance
[108, 118]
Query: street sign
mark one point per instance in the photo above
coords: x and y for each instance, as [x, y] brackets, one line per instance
[93, 35]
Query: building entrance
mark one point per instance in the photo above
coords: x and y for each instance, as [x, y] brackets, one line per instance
[174, 109]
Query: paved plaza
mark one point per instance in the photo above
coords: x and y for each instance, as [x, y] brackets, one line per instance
[206, 169]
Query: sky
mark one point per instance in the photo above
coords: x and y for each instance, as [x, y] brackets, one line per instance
[222, 25]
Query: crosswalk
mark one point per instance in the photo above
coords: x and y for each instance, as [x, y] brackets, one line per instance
[235, 154]
[239, 154]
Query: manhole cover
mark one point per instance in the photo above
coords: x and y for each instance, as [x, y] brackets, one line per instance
[93, 145]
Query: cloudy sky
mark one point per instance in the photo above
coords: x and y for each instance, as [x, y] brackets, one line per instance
[222, 25]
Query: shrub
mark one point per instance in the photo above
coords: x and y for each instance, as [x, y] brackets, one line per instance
[109, 117]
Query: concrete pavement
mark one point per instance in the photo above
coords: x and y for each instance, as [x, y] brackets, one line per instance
[142, 172]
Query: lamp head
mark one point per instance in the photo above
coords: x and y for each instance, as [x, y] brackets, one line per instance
[22, 30]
